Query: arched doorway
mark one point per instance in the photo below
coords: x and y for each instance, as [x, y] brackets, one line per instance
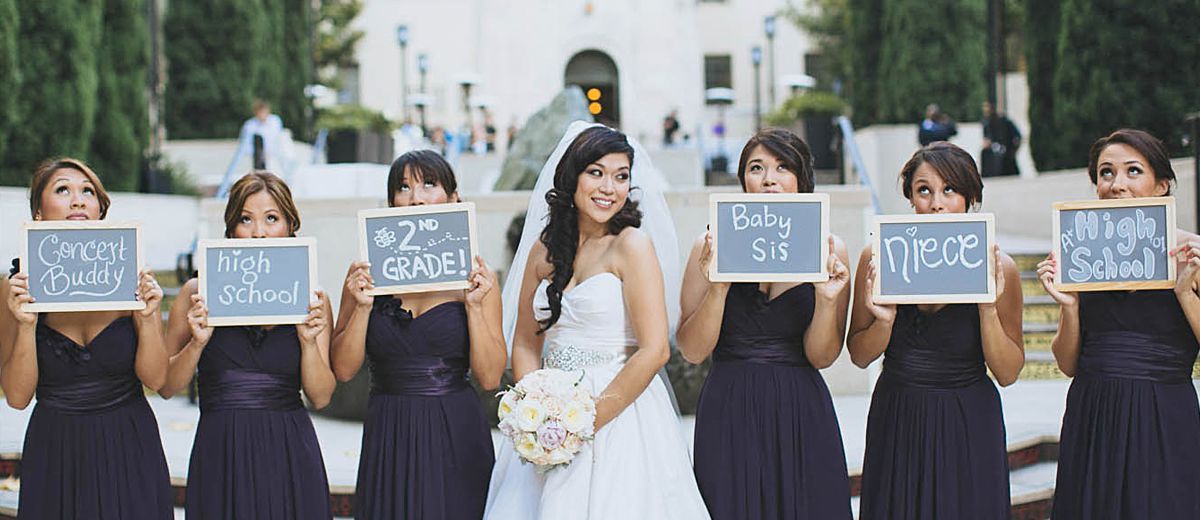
[596, 73]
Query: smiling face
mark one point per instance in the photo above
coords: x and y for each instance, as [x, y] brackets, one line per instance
[603, 187]
[931, 193]
[413, 192]
[1122, 173]
[69, 195]
[261, 218]
[765, 173]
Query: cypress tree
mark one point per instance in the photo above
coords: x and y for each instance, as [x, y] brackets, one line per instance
[58, 40]
[1122, 64]
[931, 51]
[297, 55]
[122, 125]
[1041, 47]
[213, 51]
[863, 42]
[10, 82]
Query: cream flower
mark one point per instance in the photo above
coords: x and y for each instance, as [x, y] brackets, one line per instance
[530, 413]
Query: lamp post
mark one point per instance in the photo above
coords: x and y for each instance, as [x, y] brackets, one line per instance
[402, 39]
[466, 83]
[422, 67]
[756, 59]
[769, 28]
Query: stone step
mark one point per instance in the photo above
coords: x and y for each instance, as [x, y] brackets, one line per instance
[1028, 262]
[1040, 310]
[1038, 341]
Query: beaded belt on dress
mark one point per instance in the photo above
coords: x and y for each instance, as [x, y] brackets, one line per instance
[571, 357]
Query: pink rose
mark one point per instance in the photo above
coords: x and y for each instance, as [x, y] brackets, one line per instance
[551, 435]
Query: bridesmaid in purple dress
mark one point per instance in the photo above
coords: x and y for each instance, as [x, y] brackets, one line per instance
[767, 440]
[426, 449]
[92, 448]
[256, 453]
[1130, 443]
[935, 430]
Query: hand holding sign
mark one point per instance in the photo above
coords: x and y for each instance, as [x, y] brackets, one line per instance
[775, 237]
[883, 312]
[942, 258]
[1047, 272]
[482, 281]
[360, 284]
[198, 322]
[1187, 257]
[839, 275]
[150, 293]
[18, 297]
[87, 265]
[314, 324]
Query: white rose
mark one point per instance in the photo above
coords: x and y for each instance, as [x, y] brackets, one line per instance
[559, 456]
[576, 418]
[530, 414]
[507, 404]
[506, 426]
[527, 447]
[573, 443]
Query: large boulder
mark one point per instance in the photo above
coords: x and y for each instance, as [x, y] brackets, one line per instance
[536, 140]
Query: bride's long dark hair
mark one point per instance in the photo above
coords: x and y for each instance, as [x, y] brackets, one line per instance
[561, 234]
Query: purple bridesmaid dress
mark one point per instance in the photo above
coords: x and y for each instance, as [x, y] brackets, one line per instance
[935, 431]
[1130, 443]
[256, 453]
[92, 448]
[426, 449]
[767, 442]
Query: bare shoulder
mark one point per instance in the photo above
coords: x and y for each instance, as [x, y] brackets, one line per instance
[538, 260]
[189, 288]
[633, 239]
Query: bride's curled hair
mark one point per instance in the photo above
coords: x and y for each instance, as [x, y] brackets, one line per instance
[561, 234]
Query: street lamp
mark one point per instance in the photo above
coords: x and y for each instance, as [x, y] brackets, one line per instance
[402, 39]
[756, 59]
[466, 83]
[422, 67]
[769, 28]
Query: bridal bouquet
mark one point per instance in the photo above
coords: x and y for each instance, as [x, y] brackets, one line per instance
[548, 416]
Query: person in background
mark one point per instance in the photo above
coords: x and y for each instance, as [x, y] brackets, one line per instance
[262, 135]
[670, 128]
[937, 126]
[1001, 139]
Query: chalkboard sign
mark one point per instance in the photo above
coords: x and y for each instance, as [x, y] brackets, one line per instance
[82, 265]
[418, 248]
[257, 281]
[777, 237]
[1105, 245]
[934, 258]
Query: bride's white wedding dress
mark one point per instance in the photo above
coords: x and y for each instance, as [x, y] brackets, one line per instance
[638, 466]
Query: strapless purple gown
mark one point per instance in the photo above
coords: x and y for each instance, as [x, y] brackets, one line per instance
[92, 448]
[256, 453]
[1130, 443]
[935, 431]
[426, 449]
[767, 441]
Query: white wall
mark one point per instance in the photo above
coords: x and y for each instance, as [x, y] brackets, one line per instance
[168, 223]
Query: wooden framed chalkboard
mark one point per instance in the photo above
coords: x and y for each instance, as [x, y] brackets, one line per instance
[82, 265]
[944, 258]
[257, 281]
[769, 237]
[418, 248]
[1115, 245]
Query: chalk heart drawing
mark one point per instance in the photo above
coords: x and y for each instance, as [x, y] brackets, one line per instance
[912, 231]
[236, 252]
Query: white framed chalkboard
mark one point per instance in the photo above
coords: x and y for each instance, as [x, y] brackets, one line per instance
[82, 265]
[943, 258]
[418, 248]
[257, 281]
[769, 237]
[1115, 245]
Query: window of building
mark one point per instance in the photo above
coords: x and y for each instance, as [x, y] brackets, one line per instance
[718, 71]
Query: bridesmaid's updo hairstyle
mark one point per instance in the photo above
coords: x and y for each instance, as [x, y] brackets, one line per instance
[561, 234]
[1145, 144]
[788, 148]
[423, 165]
[953, 164]
[253, 183]
[45, 173]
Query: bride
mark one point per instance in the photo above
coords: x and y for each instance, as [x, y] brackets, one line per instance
[591, 298]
